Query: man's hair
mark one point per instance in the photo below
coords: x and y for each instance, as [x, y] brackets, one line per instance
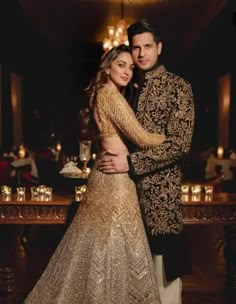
[140, 27]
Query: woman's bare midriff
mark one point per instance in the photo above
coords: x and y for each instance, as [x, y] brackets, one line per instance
[114, 144]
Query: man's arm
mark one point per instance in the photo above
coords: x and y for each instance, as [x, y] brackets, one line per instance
[179, 136]
[179, 132]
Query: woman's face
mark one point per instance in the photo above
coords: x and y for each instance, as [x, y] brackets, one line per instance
[121, 70]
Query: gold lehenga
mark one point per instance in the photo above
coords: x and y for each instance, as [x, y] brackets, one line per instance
[104, 256]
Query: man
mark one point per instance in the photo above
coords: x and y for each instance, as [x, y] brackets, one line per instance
[163, 103]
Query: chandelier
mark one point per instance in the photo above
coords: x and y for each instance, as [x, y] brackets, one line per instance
[116, 34]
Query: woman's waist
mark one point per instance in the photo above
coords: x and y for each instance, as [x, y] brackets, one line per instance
[114, 144]
[115, 179]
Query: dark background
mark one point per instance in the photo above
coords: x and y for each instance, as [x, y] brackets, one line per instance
[55, 74]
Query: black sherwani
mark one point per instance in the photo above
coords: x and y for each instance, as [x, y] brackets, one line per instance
[164, 105]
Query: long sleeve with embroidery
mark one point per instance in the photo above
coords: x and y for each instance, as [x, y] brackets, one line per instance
[115, 117]
[178, 130]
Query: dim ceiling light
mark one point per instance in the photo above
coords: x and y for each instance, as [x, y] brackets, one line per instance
[116, 34]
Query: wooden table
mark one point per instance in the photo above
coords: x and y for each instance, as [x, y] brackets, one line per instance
[54, 211]
[220, 208]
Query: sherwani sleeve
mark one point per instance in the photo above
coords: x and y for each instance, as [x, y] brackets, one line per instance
[123, 118]
[179, 132]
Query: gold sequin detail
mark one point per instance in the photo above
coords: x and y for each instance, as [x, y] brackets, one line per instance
[116, 118]
[104, 257]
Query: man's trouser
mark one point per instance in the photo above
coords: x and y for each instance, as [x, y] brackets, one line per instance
[170, 292]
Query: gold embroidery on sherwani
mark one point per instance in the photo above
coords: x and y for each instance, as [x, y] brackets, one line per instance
[104, 257]
[165, 106]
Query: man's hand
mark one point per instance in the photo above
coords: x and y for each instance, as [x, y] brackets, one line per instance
[113, 163]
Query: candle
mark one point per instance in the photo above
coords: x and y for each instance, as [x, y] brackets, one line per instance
[58, 146]
[21, 152]
[220, 152]
[94, 156]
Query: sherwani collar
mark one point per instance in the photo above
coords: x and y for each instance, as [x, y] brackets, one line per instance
[155, 72]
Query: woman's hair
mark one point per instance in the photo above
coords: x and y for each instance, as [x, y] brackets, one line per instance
[101, 75]
[141, 27]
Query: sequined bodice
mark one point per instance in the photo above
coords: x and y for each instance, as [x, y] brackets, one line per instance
[115, 117]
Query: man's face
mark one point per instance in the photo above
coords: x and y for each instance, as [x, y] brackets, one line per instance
[145, 51]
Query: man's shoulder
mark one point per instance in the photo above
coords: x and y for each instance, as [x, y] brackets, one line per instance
[164, 75]
[177, 79]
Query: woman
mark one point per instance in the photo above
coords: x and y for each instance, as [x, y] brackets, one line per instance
[104, 256]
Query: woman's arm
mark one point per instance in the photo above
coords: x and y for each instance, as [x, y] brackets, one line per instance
[118, 111]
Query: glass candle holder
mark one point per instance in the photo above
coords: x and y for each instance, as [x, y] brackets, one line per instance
[41, 192]
[34, 193]
[48, 193]
[79, 192]
[20, 191]
[208, 189]
[185, 189]
[196, 189]
[6, 192]
[85, 153]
